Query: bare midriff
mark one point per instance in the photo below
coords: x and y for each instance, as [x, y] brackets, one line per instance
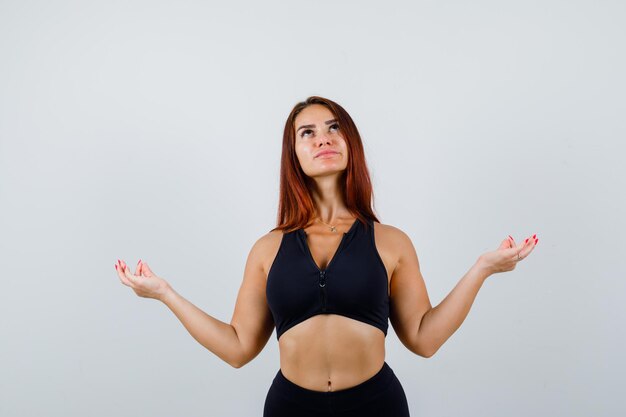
[330, 352]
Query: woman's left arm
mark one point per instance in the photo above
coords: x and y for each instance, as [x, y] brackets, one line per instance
[441, 321]
[424, 329]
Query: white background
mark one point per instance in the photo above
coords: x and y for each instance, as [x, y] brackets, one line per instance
[152, 130]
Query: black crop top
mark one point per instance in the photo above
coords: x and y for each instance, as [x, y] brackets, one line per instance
[353, 284]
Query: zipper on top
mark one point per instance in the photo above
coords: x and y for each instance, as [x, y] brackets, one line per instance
[322, 272]
[322, 283]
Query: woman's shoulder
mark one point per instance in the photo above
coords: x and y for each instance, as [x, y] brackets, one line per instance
[388, 230]
[271, 238]
[268, 240]
[391, 243]
[266, 247]
[391, 237]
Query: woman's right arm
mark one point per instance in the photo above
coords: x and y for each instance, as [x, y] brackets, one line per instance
[252, 324]
[215, 335]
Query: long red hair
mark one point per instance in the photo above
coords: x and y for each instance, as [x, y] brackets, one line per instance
[296, 208]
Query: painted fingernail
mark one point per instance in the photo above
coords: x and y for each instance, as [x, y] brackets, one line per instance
[534, 236]
[116, 267]
[510, 237]
[139, 262]
[526, 241]
[536, 241]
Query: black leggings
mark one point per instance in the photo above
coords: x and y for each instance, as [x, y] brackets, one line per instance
[380, 396]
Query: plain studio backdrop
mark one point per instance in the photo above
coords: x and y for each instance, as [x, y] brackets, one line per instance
[152, 130]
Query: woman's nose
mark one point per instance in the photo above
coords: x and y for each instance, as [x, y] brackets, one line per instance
[325, 138]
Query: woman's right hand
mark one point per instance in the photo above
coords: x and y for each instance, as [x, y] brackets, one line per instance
[144, 282]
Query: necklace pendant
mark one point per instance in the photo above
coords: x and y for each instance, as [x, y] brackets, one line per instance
[333, 228]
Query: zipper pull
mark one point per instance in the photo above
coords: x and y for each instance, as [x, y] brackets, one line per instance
[323, 290]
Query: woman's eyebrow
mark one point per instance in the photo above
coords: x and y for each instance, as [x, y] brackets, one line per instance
[326, 122]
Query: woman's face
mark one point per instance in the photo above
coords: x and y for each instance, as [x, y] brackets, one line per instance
[317, 131]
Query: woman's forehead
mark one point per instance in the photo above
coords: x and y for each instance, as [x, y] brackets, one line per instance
[313, 112]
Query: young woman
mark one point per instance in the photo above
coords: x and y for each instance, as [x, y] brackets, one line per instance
[328, 278]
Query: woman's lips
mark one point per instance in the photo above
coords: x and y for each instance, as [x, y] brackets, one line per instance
[327, 154]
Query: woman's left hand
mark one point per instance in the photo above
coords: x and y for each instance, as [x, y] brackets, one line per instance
[505, 258]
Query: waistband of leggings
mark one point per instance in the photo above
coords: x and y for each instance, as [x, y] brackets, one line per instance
[358, 393]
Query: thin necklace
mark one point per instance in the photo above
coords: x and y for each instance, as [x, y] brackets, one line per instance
[332, 228]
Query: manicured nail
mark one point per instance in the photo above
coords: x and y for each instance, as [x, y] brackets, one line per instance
[536, 241]
[526, 241]
[139, 262]
[116, 267]
[510, 237]
[534, 236]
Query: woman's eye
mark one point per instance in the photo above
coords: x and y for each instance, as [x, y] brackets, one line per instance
[334, 125]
